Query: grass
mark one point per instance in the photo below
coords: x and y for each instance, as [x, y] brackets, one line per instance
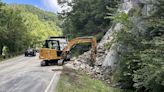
[74, 81]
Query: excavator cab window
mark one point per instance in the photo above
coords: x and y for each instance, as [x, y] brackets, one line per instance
[52, 44]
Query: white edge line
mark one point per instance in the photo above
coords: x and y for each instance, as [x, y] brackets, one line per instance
[49, 85]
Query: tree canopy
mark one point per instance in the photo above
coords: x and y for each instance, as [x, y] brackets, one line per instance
[86, 17]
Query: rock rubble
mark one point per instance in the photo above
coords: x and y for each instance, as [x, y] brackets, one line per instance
[82, 63]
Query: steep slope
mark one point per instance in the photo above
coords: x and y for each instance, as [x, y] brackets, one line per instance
[130, 55]
[106, 56]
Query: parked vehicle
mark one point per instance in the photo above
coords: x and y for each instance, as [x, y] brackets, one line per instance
[30, 52]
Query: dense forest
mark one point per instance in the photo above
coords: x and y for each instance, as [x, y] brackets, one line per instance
[86, 17]
[24, 26]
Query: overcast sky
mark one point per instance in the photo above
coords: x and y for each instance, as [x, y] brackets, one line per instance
[48, 5]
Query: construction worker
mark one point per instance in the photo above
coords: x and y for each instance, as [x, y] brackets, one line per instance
[4, 52]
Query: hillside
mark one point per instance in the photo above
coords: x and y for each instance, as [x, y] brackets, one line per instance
[42, 15]
[27, 26]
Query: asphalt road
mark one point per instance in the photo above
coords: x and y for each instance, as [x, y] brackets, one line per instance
[24, 74]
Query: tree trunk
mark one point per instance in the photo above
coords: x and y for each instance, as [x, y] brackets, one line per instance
[1, 46]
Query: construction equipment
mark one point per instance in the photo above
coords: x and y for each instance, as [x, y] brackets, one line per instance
[57, 49]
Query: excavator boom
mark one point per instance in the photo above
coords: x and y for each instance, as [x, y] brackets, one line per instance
[78, 40]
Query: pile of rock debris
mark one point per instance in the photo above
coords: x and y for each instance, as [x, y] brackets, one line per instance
[82, 63]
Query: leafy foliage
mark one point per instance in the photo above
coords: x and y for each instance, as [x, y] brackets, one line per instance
[86, 17]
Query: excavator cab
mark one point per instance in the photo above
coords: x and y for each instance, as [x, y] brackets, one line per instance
[52, 49]
[53, 45]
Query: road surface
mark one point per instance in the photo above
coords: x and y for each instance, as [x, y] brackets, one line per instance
[24, 74]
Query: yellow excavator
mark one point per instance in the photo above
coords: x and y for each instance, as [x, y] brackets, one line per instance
[57, 49]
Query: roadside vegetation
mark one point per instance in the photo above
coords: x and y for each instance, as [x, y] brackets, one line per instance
[76, 81]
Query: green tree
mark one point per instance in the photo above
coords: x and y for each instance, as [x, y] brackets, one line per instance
[86, 17]
[1, 29]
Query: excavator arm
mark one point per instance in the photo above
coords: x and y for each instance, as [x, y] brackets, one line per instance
[78, 40]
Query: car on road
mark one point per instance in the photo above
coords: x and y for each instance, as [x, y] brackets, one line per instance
[30, 52]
